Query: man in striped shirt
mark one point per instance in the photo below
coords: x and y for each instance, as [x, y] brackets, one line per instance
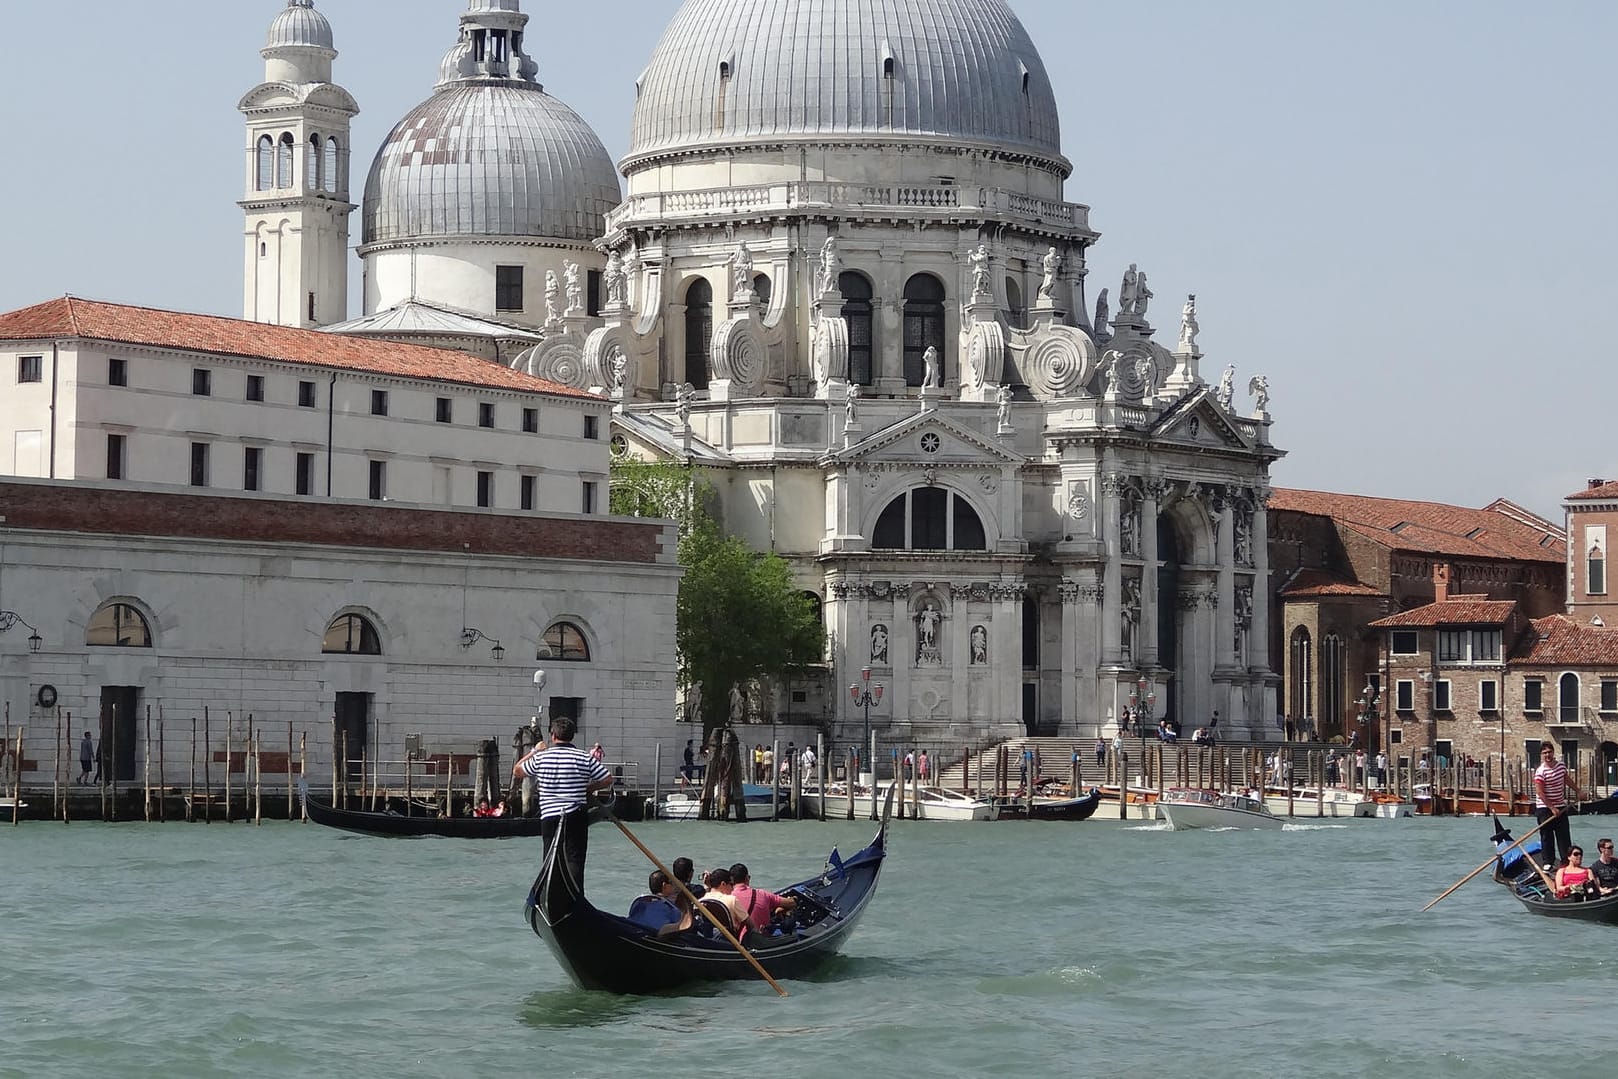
[564, 778]
[1552, 787]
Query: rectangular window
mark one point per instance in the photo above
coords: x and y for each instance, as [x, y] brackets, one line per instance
[442, 411]
[255, 387]
[379, 480]
[1533, 695]
[1609, 695]
[306, 395]
[252, 462]
[199, 464]
[117, 372]
[592, 293]
[1404, 695]
[530, 421]
[589, 496]
[485, 490]
[1441, 695]
[115, 457]
[485, 414]
[1451, 645]
[508, 288]
[202, 382]
[1406, 642]
[1488, 695]
[306, 474]
[379, 402]
[928, 509]
[1595, 575]
[592, 427]
[1486, 646]
[529, 485]
[30, 368]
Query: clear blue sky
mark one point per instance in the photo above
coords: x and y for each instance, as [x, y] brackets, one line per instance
[1401, 212]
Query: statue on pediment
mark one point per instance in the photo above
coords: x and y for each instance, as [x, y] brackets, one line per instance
[978, 258]
[932, 376]
[1126, 291]
[1226, 392]
[1103, 314]
[1258, 387]
[575, 289]
[830, 262]
[1188, 326]
[614, 280]
[1052, 265]
[553, 291]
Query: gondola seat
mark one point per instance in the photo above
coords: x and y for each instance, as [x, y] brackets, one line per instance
[653, 912]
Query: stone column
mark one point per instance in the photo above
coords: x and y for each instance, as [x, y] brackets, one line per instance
[1225, 609]
[1146, 646]
[1112, 488]
[1068, 592]
[1259, 650]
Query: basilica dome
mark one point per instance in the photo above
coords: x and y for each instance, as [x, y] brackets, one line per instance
[300, 24]
[955, 71]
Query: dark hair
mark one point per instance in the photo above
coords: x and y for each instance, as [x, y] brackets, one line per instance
[738, 873]
[656, 881]
[716, 877]
[563, 728]
[683, 868]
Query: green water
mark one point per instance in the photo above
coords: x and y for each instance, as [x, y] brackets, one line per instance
[1006, 948]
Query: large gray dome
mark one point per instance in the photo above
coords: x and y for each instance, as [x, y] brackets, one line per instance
[729, 71]
[300, 24]
[490, 158]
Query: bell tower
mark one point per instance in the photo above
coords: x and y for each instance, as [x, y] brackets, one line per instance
[297, 195]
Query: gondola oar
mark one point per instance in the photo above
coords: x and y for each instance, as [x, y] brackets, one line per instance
[696, 906]
[1498, 854]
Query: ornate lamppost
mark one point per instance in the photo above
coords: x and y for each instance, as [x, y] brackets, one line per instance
[864, 695]
[1142, 698]
[12, 618]
[1369, 697]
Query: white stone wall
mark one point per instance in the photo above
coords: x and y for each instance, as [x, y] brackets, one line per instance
[461, 275]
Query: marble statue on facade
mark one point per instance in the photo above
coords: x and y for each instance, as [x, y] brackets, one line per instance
[620, 371]
[932, 377]
[980, 645]
[1126, 291]
[879, 645]
[927, 622]
[1103, 314]
[741, 272]
[1129, 529]
[830, 262]
[1146, 374]
[1143, 295]
[1052, 265]
[1258, 387]
[1002, 401]
[851, 404]
[1242, 538]
[1130, 617]
[1115, 373]
[575, 289]
[1226, 392]
[738, 706]
[1188, 326]
[693, 703]
[978, 257]
[614, 280]
[684, 397]
[552, 292]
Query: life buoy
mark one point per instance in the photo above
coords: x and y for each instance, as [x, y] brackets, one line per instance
[46, 696]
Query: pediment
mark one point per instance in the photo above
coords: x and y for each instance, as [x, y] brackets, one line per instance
[1197, 420]
[926, 438]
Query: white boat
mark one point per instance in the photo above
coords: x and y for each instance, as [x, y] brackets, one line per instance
[1186, 808]
[927, 803]
[1310, 802]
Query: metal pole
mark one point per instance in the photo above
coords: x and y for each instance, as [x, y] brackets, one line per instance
[871, 744]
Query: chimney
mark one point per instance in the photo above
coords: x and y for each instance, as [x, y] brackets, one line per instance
[1440, 582]
[1596, 481]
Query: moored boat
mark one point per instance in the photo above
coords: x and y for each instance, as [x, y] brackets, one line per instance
[604, 951]
[365, 822]
[1514, 869]
[923, 803]
[1186, 808]
[1313, 802]
[680, 805]
[1050, 807]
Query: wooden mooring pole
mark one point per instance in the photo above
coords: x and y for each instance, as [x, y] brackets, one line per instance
[56, 771]
[162, 775]
[207, 771]
[289, 772]
[303, 768]
[146, 768]
[230, 759]
[16, 785]
[191, 796]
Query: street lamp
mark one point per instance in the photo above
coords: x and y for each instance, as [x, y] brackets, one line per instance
[864, 694]
[12, 618]
[470, 636]
[1140, 692]
[1369, 697]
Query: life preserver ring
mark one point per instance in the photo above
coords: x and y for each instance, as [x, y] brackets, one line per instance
[46, 696]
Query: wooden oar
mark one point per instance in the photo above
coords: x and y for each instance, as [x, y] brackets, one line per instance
[698, 907]
[1499, 854]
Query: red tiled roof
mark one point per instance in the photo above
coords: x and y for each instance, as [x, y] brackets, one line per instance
[122, 324]
[1604, 490]
[1498, 531]
[1558, 641]
[1457, 611]
[1317, 582]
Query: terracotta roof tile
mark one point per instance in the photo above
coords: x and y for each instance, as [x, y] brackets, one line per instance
[1604, 490]
[1317, 582]
[1558, 641]
[1501, 530]
[1458, 611]
[122, 324]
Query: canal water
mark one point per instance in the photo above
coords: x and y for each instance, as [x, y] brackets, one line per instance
[1008, 948]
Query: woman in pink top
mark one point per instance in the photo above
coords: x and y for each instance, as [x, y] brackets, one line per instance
[1573, 877]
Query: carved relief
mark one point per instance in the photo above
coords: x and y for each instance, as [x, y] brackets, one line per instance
[879, 645]
[1078, 500]
[979, 642]
[560, 359]
[830, 349]
[1129, 617]
[1058, 361]
[738, 354]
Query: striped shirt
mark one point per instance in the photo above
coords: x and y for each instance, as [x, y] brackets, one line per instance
[562, 775]
[1553, 777]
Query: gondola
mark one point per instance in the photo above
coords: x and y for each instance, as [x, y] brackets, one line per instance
[1601, 807]
[397, 824]
[1065, 809]
[604, 951]
[1513, 869]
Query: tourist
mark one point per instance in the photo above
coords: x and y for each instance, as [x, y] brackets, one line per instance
[769, 765]
[683, 868]
[1101, 751]
[688, 762]
[597, 753]
[1552, 788]
[87, 753]
[721, 891]
[921, 766]
[1606, 868]
[564, 777]
[500, 810]
[759, 774]
[483, 809]
[1573, 877]
[657, 908]
[760, 906]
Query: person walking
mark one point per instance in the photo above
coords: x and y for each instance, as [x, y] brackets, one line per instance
[87, 752]
[1101, 751]
[1552, 789]
[564, 778]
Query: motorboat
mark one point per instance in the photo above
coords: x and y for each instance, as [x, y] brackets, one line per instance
[683, 805]
[1186, 808]
[918, 802]
[1313, 802]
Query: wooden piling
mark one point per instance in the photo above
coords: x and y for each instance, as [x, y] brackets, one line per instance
[56, 770]
[258, 774]
[16, 785]
[822, 772]
[207, 769]
[230, 755]
[147, 766]
[290, 806]
[303, 769]
[162, 774]
[449, 780]
[109, 768]
[191, 797]
[851, 775]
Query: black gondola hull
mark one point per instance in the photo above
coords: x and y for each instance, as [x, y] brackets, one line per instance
[398, 825]
[1512, 869]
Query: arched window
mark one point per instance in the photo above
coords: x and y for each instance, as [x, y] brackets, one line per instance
[265, 163]
[564, 641]
[698, 331]
[283, 162]
[856, 290]
[329, 169]
[118, 625]
[1595, 572]
[923, 325]
[814, 601]
[762, 286]
[1014, 308]
[352, 634]
[313, 164]
[1332, 704]
[929, 519]
[1567, 698]
[1303, 674]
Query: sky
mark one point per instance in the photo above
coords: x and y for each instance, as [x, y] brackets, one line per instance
[1400, 211]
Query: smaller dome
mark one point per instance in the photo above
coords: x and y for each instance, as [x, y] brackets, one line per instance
[300, 24]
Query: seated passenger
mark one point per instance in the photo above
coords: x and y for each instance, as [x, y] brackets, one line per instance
[656, 908]
[683, 868]
[500, 810]
[720, 892]
[1605, 868]
[1573, 878]
[483, 808]
[760, 906]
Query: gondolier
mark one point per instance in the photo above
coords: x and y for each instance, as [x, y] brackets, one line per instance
[1553, 789]
[564, 777]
